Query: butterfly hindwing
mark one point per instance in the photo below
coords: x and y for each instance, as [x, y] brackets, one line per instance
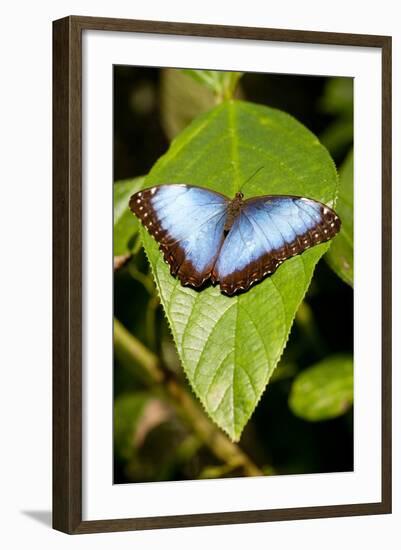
[267, 231]
[188, 223]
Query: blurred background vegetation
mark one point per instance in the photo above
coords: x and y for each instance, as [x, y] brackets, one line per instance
[304, 422]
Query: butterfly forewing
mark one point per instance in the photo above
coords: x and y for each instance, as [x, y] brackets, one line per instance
[267, 231]
[188, 223]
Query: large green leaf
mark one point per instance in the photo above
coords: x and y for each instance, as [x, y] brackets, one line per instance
[229, 347]
[125, 227]
[341, 254]
[128, 411]
[325, 390]
[149, 440]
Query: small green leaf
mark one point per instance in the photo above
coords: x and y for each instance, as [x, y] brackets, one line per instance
[338, 96]
[325, 390]
[340, 257]
[221, 83]
[128, 410]
[125, 224]
[229, 347]
[134, 416]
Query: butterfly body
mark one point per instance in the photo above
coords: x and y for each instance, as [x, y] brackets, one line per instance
[206, 236]
[233, 210]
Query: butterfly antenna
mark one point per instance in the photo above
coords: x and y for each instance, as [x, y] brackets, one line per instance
[252, 176]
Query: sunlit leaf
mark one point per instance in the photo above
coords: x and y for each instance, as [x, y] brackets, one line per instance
[324, 390]
[221, 83]
[182, 99]
[229, 347]
[185, 94]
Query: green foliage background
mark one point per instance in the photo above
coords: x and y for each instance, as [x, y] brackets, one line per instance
[191, 368]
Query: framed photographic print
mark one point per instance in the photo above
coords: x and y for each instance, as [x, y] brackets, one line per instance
[222, 274]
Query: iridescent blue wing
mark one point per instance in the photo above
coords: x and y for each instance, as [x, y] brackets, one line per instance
[268, 231]
[188, 223]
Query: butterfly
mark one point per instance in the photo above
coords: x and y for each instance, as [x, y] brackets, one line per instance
[204, 235]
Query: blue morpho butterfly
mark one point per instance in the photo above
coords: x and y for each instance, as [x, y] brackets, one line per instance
[234, 242]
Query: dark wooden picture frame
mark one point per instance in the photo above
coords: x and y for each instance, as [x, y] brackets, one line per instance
[67, 274]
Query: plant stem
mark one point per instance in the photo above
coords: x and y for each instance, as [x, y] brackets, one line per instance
[125, 342]
[218, 443]
[221, 446]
